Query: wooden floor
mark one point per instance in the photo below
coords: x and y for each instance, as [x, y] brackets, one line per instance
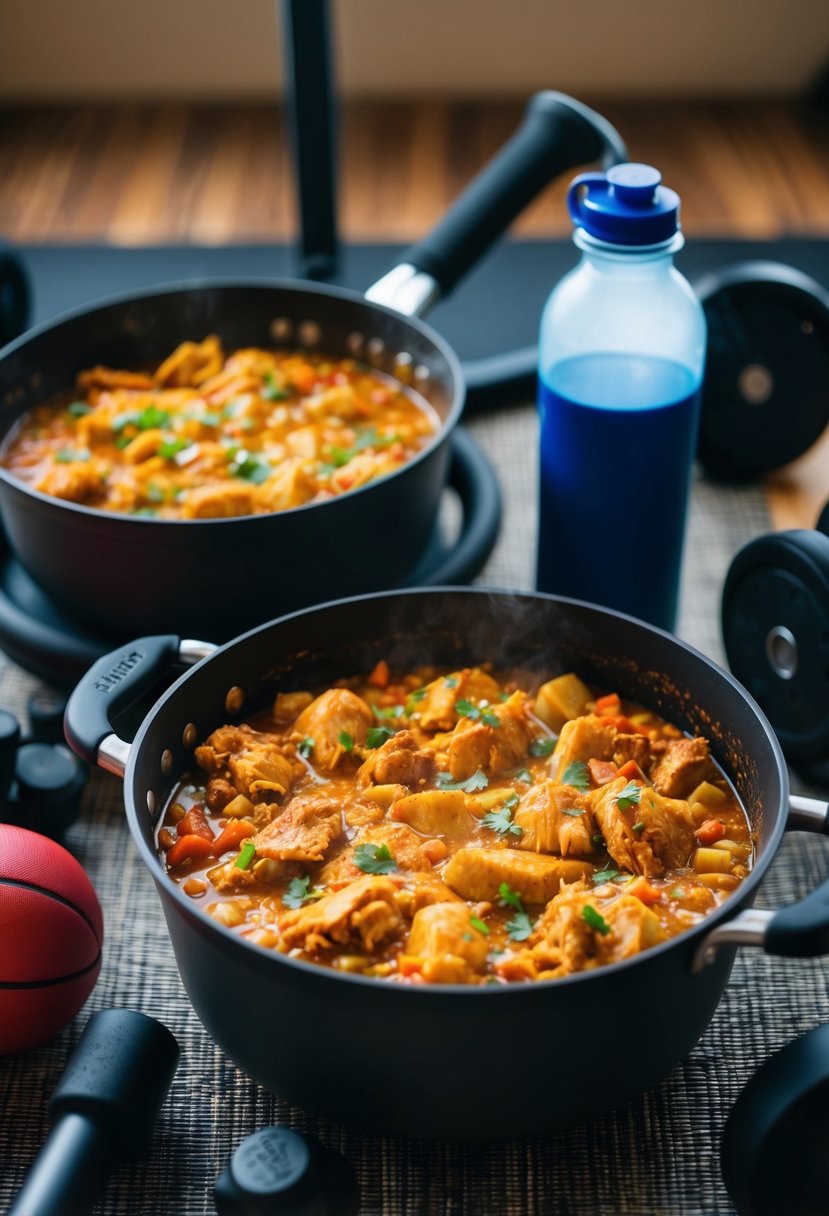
[143, 174]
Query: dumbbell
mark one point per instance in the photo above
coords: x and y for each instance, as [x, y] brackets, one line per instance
[41, 779]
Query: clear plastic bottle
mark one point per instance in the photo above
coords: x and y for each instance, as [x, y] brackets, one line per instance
[621, 357]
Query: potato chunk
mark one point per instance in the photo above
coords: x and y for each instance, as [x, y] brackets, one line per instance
[477, 874]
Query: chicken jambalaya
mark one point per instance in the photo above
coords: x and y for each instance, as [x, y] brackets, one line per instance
[456, 827]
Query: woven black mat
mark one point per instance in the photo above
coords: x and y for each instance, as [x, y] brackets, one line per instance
[659, 1157]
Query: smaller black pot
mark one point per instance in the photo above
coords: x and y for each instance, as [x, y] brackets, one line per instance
[217, 577]
[448, 1062]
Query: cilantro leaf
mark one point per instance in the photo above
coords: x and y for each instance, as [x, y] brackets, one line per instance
[68, 455]
[376, 736]
[387, 711]
[605, 875]
[594, 919]
[452, 681]
[524, 776]
[300, 892]
[271, 391]
[542, 747]
[305, 746]
[500, 821]
[170, 448]
[478, 781]
[572, 812]
[78, 409]
[629, 796]
[509, 897]
[477, 923]
[576, 774]
[519, 927]
[374, 859]
[251, 469]
[465, 709]
[345, 740]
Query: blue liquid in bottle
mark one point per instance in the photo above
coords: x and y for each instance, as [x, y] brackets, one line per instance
[617, 440]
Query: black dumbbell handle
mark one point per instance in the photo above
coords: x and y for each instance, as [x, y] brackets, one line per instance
[103, 1110]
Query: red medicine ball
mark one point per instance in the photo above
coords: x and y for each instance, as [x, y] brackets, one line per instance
[51, 930]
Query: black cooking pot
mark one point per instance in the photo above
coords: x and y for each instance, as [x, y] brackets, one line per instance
[217, 577]
[449, 1061]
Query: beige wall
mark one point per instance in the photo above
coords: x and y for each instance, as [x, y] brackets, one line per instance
[230, 48]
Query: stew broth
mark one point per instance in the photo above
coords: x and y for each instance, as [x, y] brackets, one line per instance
[456, 827]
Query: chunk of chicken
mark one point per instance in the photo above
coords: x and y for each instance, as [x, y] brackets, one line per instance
[421, 889]
[361, 915]
[435, 813]
[681, 767]
[477, 745]
[564, 942]
[221, 501]
[444, 947]
[251, 760]
[75, 481]
[478, 873]
[587, 738]
[555, 818]
[436, 710]
[398, 761]
[409, 851]
[335, 715]
[303, 831]
[648, 836]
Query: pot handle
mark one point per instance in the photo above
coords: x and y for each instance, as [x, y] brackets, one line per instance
[112, 684]
[557, 133]
[798, 931]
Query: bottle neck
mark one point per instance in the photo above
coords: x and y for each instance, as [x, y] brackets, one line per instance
[602, 251]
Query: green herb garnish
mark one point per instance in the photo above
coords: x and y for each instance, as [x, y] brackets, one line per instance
[170, 448]
[500, 821]
[509, 897]
[605, 875]
[629, 796]
[305, 746]
[376, 736]
[246, 855]
[477, 713]
[69, 455]
[592, 918]
[78, 409]
[542, 747]
[387, 711]
[576, 774]
[374, 859]
[250, 469]
[452, 681]
[519, 927]
[345, 740]
[524, 776]
[478, 781]
[272, 391]
[639, 827]
[572, 812]
[301, 892]
[477, 923]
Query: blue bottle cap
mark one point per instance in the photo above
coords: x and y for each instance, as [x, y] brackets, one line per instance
[625, 206]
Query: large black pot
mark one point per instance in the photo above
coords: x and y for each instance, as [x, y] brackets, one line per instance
[449, 1061]
[219, 577]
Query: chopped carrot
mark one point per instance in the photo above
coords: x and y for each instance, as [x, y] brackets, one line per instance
[601, 771]
[623, 724]
[631, 771]
[187, 847]
[642, 889]
[710, 832]
[381, 674]
[232, 835]
[194, 823]
[409, 964]
[609, 704]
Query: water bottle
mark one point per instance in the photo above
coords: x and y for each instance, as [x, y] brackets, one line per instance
[621, 356]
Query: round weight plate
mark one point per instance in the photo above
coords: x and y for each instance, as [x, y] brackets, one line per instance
[775, 623]
[765, 395]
